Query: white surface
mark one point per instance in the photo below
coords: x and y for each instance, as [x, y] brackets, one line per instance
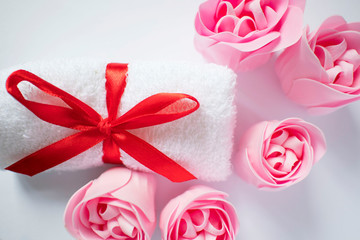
[323, 206]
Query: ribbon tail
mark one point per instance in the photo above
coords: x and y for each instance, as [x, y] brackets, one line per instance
[57, 153]
[111, 152]
[151, 157]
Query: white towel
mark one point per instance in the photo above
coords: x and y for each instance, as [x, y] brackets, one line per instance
[200, 142]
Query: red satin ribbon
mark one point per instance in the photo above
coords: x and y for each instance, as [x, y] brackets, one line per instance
[93, 129]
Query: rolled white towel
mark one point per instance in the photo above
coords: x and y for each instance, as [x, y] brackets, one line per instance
[200, 142]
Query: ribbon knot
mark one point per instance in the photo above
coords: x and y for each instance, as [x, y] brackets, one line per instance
[104, 126]
[93, 128]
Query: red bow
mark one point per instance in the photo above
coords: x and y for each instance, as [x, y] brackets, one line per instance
[93, 129]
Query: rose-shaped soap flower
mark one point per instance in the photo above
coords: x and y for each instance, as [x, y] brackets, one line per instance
[243, 34]
[321, 71]
[199, 213]
[117, 205]
[278, 154]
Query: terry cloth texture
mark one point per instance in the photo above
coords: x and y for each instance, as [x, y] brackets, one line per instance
[201, 142]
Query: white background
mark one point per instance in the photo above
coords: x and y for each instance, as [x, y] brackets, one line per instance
[323, 206]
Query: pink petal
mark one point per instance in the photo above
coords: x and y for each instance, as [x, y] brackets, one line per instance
[255, 44]
[291, 26]
[356, 84]
[143, 224]
[209, 236]
[239, 6]
[230, 37]
[271, 128]
[84, 215]
[324, 57]
[108, 212]
[169, 218]
[144, 201]
[244, 26]
[301, 170]
[92, 207]
[200, 27]
[258, 178]
[296, 128]
[274, 151]
[82, 231]
[215, 224]
[131, 218]
[223, 9]
[70, 215]
[311, 93]
[347, 74]
[214, 51]
[201, 236]
[249, 163]
[336, 50]
[118, 203]
[253, 61]
[107, 182]
[298, 3]
[227, 214]
[255, 8]
[279, 137]
[199, 218]
[103, 233]
[333, 73]
[295, 145]
[332, 23]
[290, 68]
[291, 177]
[272, 17]
[226, 24]
[275, 162]
[126, 227]
[114, 229]
[317, 143]
[280, 7]
[186, 228]
[290, 160]
[354, 26]
[353, 90]
[205, 19]
[351, 38]
[316, 137]
[353, 57]
[270, 163]
[177, 206]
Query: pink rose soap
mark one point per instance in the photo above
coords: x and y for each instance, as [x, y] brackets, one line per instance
[321, 71]
[278, 154]
[199, 213]
[117, 205]
[189, 141]
[243, 34]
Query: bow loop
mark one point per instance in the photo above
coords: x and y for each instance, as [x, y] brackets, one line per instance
[77, 115]
[157, 109]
